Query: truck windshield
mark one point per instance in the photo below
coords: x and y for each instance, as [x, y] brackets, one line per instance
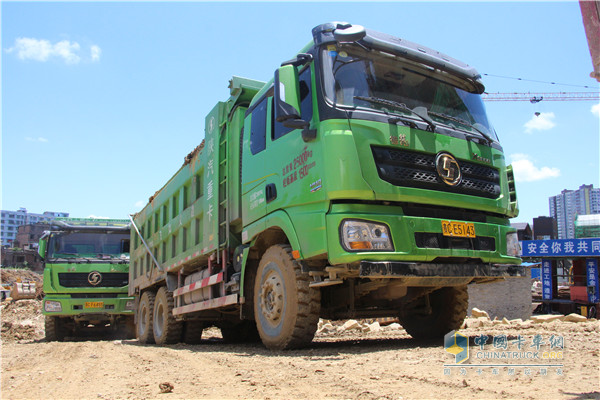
[99, 245]
[356, 78]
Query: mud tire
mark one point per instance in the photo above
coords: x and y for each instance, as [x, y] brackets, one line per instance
[167, 330]
[448, 311]
[126, 328]
[286, 309]
[144, 326]
[56, 329]
[192, 332]
[241, 332]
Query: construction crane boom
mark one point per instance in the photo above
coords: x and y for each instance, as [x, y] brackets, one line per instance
[537, 97]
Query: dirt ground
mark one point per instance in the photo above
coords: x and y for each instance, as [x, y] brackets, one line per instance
[385, 363]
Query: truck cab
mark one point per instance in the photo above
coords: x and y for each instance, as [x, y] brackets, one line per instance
[377, 160]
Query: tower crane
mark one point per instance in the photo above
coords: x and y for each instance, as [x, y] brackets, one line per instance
[537, 97]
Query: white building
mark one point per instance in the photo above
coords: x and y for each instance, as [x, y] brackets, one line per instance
[566, 206]
[11, 220]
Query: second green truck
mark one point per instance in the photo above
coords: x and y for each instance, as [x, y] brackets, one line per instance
[86, 273]
[364, 180]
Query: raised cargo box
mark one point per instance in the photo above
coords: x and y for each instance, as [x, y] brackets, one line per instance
[188, 219]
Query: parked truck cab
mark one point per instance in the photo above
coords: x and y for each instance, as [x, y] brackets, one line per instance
[86, 273]
[364, 180]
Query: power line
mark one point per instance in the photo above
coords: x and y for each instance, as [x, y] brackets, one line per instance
[536, 81]
[537, 97]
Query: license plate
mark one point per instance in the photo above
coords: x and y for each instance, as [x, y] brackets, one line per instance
[93, 304]
[458, 229]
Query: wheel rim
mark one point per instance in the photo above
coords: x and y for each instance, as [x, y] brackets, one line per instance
[272, 298]
[143, 319]
[159, 320]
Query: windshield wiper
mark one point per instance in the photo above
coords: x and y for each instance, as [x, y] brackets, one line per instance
[464, 123]
[77, 258]
[66, 254]
[399, 106]
[112, 257]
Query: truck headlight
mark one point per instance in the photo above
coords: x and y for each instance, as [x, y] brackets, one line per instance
[52, 306]
[513, 248]
[130, 305]
[363, 235]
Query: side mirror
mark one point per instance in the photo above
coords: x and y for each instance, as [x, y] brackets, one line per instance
[307, 134]
[287, 101]
[287, 93]
[42, 247]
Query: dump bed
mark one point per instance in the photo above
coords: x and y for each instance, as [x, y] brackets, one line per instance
[189, 218]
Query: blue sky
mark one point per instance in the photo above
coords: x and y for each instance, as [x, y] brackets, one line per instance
[102, 101]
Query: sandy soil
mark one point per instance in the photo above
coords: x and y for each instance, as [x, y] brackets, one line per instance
[352, 364]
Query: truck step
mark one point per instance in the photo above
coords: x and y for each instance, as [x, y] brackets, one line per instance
[207, 304]
[208, 281]
[326, 282]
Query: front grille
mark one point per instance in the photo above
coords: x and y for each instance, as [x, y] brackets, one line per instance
[80, 280]
[413, 169]
[427, 240]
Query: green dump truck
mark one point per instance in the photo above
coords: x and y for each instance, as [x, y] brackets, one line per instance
[364, 180]
[86, 273]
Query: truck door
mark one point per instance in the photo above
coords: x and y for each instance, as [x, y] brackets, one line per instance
[275, 158]
[255, 175]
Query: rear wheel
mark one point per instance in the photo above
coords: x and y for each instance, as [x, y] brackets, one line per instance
[192, 331]
[286, 308]
[56, 329]
[144, 329]
[167, 329]
[443, 311]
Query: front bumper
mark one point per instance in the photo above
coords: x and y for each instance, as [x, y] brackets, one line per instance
[90, 306]
[417, 274]
[404, 231]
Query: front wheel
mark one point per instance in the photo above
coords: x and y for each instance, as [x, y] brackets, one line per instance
[286, 308]
[241, 332]
[55, 329]
[438, 313]
[126, 328]
[192, 331]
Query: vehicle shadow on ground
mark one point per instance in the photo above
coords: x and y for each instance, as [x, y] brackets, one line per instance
[323, 348]
[92, 335]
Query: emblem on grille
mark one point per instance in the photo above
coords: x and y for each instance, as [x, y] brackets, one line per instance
[94, 278]
[448, 169]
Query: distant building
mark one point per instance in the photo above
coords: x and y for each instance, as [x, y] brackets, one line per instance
[566, 206]
[524, 231]
[12, 258]
[11, 220]
[587, 226]
[29, 235]
[544, 228]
